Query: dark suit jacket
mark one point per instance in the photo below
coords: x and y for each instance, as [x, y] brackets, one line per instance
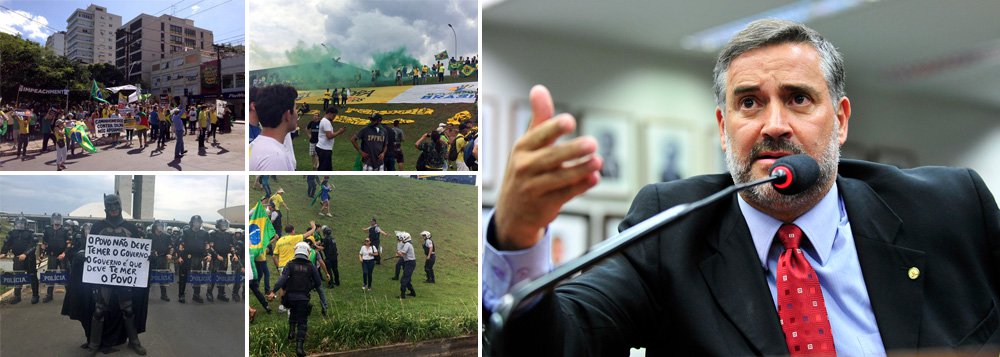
[698, 288]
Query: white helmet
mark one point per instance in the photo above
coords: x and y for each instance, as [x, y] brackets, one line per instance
[302, 248]
[425, 234]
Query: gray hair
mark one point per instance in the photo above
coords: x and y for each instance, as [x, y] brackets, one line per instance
[762, 33]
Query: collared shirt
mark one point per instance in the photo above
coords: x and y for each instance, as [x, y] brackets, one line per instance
[830, 251]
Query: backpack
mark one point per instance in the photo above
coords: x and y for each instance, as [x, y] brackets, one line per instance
[470, 160]
[453, 150]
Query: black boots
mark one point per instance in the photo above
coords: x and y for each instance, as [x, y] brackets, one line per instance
[163, 293]
[299, 349]
[133, 337]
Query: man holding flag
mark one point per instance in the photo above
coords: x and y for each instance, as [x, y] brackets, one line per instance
[260, 234]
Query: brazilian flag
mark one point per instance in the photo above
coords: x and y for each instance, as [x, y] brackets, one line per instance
[468, 70]
[260, 233]
[95, 92]
[78, 134]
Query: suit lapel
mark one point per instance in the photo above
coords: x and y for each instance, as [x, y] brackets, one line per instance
[896, 299]
[736, 278]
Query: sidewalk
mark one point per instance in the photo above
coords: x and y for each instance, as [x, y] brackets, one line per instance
[228, 155]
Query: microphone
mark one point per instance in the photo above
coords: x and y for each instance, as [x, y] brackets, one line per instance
[790, 175]
[800, 172]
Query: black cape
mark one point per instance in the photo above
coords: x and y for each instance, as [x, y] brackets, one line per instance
[79, 303]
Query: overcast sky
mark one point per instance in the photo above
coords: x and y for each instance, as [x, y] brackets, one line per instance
[360, 28]
[35, 20]
[177, 197]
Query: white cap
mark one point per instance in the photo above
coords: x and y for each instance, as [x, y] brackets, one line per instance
[302, 248]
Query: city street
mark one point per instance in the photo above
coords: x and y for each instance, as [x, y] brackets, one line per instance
[172, 329]
[228, 155]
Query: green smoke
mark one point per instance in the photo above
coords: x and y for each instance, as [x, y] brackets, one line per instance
[388, 62]
[316, 67]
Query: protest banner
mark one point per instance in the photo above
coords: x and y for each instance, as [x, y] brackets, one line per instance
[120, 261]
[104, 126]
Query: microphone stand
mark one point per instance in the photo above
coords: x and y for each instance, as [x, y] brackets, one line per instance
[525, 294]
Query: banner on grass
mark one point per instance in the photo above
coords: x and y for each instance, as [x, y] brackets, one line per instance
[119, 261]
[439, 94]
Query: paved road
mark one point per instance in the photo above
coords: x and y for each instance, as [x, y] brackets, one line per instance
[227, 156]
[172, 329]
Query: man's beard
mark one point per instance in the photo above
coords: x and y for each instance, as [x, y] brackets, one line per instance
[765, 195]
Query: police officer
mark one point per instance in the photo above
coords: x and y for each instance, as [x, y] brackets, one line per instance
[161, 252]
[409, 259]
[55, 241]
[375, 235]
[298, 278]
[399, 262]
[116, 225]
[330, 250]
[431, 257]
[191, 251]
[222, 247]
[21, 244]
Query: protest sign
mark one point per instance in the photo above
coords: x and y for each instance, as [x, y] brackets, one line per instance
[104, 126]
[120, 261]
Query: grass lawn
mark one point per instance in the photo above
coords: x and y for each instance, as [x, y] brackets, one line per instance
[344, 154]
[358, 319]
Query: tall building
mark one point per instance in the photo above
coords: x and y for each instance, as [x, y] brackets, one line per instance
[90, 35]
[146, 40]
[57, 43]
[137, 194]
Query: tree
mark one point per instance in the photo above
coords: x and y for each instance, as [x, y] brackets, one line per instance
[108, 74]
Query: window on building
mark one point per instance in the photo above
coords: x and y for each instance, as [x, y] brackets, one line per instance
[189, 32]
[162, 26]
[176, 29]
[189, 42]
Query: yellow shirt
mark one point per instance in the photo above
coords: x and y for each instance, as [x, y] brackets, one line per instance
[285, 248]
[215, 116]
[203, 119]
[23, 125]
[278, 201]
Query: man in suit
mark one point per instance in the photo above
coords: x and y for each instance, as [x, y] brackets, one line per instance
[890, 260]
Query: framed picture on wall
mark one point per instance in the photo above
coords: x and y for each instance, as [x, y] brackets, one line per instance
[617, 144]
[611, 226]
[522, 118]
[669, 150]
[570, 232]
[489, 143]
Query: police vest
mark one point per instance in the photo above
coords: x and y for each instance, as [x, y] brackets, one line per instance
[300, 278]
[427, 250]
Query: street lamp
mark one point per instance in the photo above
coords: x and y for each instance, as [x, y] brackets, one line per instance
[456, 39]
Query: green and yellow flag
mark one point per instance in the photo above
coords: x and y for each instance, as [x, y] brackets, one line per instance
[260, 233]
[468, 70]
[95, 92]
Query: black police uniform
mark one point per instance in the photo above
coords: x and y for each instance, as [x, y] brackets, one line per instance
[193, 243]
[56, 241]
[158, 257]
[431, 258]
[376, 237]
[222, 246]
[298, 278]
[238, 249]
[22, 241]
[330, 250]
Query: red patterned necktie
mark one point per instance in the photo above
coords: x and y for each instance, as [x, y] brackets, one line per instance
[800, 300]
